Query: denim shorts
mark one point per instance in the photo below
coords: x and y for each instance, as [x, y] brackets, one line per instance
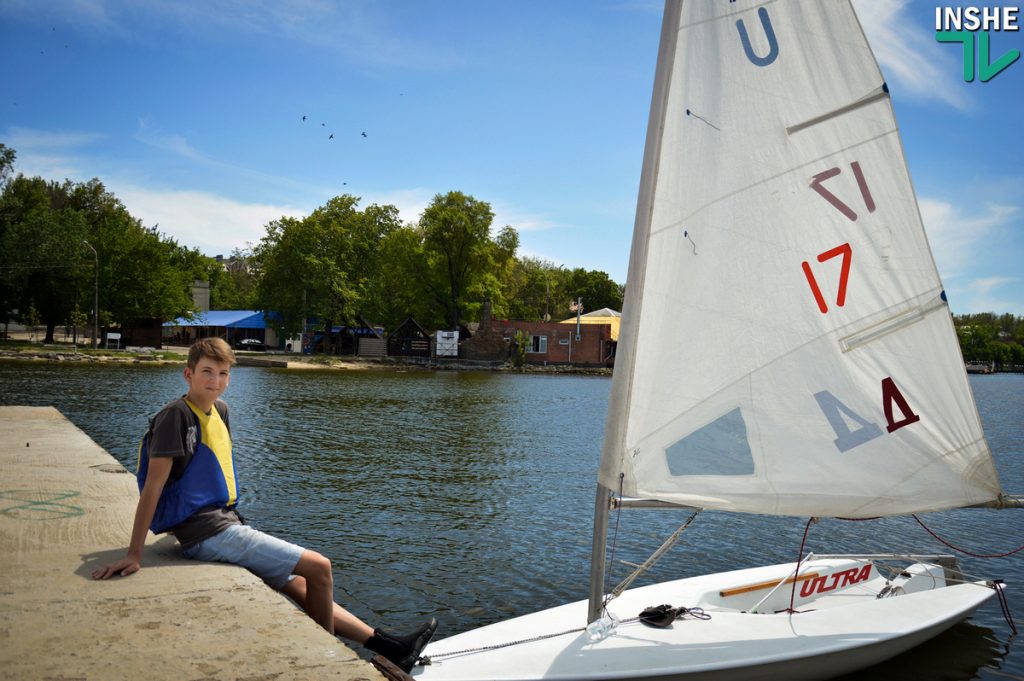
[269, 558]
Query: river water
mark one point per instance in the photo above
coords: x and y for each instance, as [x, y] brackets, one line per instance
[468, 495]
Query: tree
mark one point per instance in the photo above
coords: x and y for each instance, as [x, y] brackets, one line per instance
[460, 261]
[986, 337]
[40, 239]
[143, 274]
[323, 266]
[232, 282]
[45, 261]
[595, 288]
[7, 156]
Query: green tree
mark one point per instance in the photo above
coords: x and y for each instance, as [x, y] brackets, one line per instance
[42, 253]
[142, 273]
[989, 337]
[7, 156]
[533, 289]
[596, 289]
[232, 282]
[398, 286]
[460, 263]
[77, 319]
[323, 266]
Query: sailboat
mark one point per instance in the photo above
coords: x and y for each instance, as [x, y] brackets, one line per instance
[786, 348]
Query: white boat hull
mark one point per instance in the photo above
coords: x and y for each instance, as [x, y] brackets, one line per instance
[841, 625]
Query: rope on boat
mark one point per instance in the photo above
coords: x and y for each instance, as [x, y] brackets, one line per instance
[999, 587]
[964, 551]
[799, 559]
[696, 613]
[996, 585]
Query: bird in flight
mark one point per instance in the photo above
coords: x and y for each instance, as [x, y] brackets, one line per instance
[303, 118]
[331, 137]
[364, 134]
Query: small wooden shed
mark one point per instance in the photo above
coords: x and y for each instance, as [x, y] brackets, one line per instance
[409, 340]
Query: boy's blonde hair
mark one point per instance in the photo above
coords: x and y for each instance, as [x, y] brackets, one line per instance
[215, 348]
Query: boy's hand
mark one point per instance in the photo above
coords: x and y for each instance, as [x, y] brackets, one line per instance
[123, 567]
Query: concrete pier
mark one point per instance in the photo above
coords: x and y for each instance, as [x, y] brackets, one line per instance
[66, 508]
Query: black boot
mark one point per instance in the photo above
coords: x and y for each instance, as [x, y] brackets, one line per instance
[404, 650]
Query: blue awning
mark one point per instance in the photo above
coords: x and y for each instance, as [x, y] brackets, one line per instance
[231, 319]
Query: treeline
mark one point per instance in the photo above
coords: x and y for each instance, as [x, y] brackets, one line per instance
[340, 264]
[988, 337]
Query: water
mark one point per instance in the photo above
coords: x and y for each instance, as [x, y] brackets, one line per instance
[468, 496]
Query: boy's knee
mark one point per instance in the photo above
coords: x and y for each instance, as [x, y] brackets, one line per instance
[317, 568]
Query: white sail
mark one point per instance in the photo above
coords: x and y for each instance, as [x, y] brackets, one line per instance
[786, 347]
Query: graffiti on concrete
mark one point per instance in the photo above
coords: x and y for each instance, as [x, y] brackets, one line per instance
[38, 504]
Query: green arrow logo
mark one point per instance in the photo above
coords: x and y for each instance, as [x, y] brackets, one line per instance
[987, 69]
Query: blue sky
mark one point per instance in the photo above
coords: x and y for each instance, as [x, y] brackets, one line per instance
[191, 113]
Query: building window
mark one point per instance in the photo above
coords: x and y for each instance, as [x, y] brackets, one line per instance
[538, 344]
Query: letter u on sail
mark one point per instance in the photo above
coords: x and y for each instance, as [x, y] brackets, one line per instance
[773, 43]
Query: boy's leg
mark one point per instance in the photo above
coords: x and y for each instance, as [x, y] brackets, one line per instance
[346, 624]
[315, 571]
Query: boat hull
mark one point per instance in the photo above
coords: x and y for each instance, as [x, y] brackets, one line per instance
[841, 625]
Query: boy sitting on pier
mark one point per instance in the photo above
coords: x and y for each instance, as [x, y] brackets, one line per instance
[188, 488]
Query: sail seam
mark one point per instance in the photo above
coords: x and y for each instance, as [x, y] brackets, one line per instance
[686, 218]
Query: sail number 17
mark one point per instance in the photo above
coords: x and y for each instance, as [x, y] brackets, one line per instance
[817, 184]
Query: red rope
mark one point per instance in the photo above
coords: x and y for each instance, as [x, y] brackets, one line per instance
[799, 559]
[964, 551]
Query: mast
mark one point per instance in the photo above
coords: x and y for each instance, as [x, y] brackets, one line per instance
[597, 553]
[618, 404]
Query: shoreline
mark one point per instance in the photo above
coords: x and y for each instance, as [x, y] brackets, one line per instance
[175, 355]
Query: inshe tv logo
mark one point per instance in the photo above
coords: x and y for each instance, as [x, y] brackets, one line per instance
[964, 24]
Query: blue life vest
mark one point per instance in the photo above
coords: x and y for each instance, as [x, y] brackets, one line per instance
[203, 483]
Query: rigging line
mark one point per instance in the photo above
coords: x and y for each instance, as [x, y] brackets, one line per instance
[1004, 605]
[799, 559]
[654, 557]
[690, 113]
[965, 551]
[615, 542]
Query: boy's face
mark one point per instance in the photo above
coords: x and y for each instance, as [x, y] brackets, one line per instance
[207, 381]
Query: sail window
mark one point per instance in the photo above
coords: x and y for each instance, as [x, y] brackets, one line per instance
[719, 448]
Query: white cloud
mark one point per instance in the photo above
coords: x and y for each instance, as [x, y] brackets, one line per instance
[984, 287]
[956, 238]
[990, 294]
[213, 224]
[362, 32]
[521, 222]
[916, 65]
[48, 154]
[962, 246]
[409, 202]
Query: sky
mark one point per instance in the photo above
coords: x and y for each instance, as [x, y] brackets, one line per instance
[192, 114]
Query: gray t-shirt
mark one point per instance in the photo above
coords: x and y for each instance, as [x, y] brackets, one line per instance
[174, 432]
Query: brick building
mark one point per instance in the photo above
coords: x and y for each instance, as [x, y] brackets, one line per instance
[558, 343]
